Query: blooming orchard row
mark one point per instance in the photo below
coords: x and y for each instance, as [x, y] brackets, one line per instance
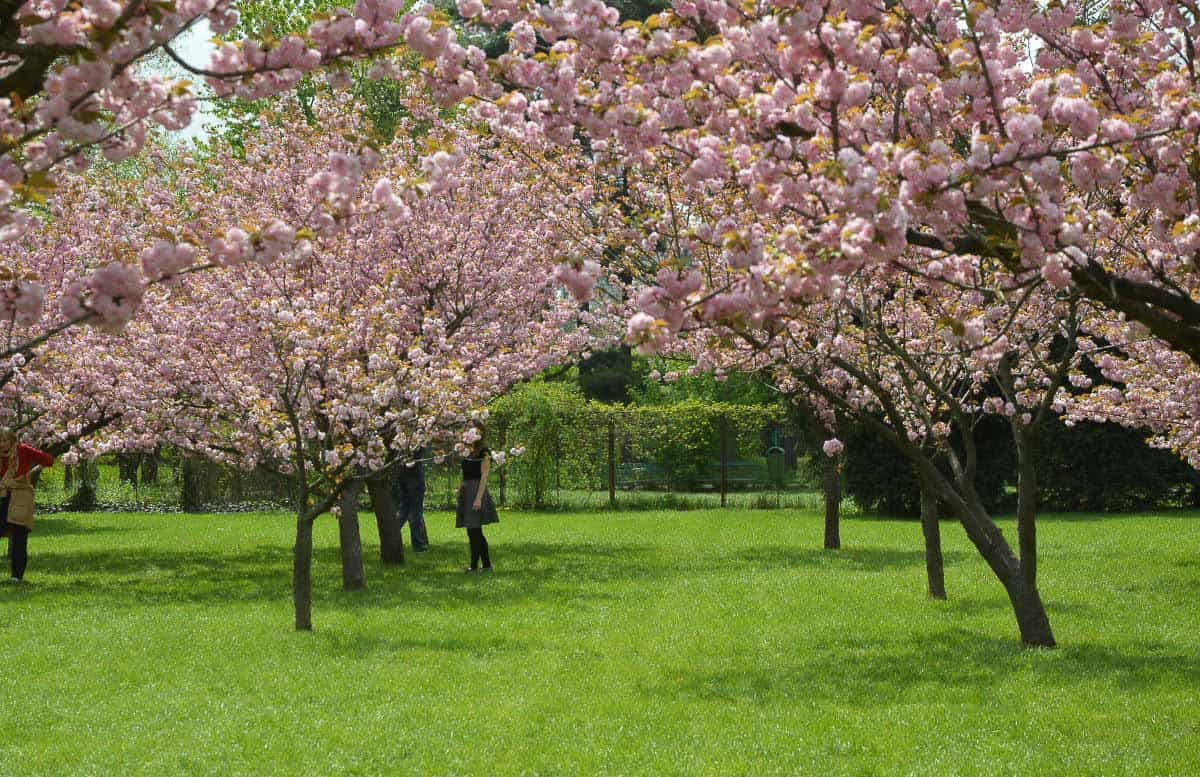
[912, 213]
[368, 340]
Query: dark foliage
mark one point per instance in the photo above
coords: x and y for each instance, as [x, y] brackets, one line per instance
[1087, 467]
[607, 376]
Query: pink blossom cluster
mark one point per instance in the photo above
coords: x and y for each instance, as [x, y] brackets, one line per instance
[112, 294]
[579, 277]
[841, 125]
[21, 302]
[165, 259]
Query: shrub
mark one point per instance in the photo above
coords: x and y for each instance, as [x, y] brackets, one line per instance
[1086, 467]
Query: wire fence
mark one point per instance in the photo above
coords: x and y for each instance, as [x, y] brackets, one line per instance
[613, 459]
[676, 457]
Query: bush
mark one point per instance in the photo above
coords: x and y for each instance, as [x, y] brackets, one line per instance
[1087, 467]
[1108, 468]
[557, 428]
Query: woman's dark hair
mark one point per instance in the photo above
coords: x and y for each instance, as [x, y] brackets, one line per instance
[481, 443]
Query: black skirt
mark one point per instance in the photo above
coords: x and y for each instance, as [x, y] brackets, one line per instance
[466, 516]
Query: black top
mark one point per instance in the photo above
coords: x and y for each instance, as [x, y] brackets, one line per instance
[473, 465]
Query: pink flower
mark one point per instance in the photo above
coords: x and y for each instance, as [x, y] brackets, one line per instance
[1024, 127]
[469, 9]
[833, 447]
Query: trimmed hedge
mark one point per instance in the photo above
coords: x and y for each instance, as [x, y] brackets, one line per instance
[566, 439]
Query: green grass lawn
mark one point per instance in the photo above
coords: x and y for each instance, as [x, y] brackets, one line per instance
[656, 643]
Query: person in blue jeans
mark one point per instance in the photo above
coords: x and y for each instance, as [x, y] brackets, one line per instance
[408, 493]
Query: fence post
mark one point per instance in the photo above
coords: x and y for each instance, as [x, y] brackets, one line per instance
[557, 471]
[724, 425]
[612, 463]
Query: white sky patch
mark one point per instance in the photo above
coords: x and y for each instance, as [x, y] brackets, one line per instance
[196, 48]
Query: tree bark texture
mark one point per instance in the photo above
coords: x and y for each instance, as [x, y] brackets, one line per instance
[1032, 621]
[149, 471]
[190, 491]
[302, 573]
[831, 484]
[127, 467]
[934, 563]
[353, 574]
[1027, 600]
[391, 539]
[88, 477]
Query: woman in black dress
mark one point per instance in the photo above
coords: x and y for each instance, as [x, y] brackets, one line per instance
[475, 505]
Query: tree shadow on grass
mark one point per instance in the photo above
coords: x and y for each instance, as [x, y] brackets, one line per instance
[970, 604]
[574, 574]
[216, 575]
[849, 558]
[55, 526]
[134, 576]
[881, 673]
[1170, 514]
[526, 571]
[366, 645]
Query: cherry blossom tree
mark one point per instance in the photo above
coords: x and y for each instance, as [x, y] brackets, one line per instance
[920, 349]
[1009, 129]
[379, 338]
[1000, 129]
[78, 81]
[1149, 386]
[64, 385]
[893, 355]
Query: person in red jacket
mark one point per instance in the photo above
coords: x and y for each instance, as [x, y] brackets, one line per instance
[19, 463]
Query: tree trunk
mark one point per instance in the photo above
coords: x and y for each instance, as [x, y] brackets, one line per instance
[1027, 600]
[1032, 620]
[302, 573]
[983, 532]
[85, 498]
[724, 429]
[149, 473]
[1026, 505]
[127, 467]
[934, 566]
[391, 539]
[831, 483]
[190, 492]
[237, 485]
[211, 487]
[960, 494]
[353, 574]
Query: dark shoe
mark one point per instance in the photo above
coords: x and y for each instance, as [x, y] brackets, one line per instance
[421, 549]
[471, 571]
[488, 568]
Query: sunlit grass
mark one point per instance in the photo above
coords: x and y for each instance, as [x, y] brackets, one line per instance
[653, 643]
